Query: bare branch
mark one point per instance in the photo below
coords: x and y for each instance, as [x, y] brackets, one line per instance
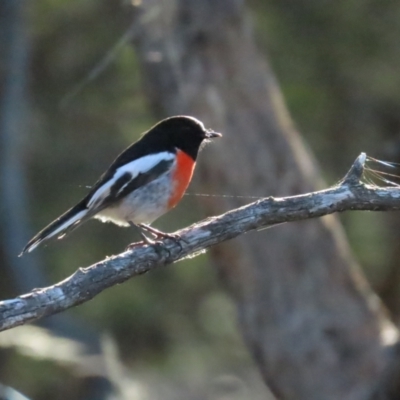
[350, 194]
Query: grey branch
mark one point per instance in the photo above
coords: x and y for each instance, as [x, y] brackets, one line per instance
[349, 194]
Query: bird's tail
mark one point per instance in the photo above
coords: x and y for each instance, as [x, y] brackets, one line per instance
[60, 227]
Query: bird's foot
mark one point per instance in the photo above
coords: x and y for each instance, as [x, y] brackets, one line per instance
[156, 233]
[162, 235]
[159, 234]
[146, 240]
[135, 244]
[156, 243]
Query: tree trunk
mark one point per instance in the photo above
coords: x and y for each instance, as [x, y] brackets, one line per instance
[307, 315]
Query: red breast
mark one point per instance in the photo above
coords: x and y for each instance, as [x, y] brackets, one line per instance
[181, 177]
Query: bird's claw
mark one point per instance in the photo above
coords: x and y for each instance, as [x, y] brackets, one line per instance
[157, 244]
[162, 235]
[131, 246]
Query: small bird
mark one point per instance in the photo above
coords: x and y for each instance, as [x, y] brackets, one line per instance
[145, 181]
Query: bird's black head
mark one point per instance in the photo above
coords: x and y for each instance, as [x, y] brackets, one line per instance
[182, 132]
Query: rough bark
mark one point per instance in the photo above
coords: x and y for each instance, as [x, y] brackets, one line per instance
[305, 310]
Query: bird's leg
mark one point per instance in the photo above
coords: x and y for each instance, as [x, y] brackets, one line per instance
[146, 239]
[158, 234]
[161, 235]
[159, 248]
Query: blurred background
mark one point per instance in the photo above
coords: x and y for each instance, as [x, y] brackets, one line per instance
[72, 97]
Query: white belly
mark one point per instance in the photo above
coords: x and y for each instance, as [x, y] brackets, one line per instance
[142, 206]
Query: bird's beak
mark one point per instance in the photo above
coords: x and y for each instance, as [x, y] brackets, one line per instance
[211, 134]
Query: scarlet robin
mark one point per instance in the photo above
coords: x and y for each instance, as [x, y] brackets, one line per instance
[144, 182]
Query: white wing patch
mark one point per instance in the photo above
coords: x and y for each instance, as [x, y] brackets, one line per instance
[124, 186]
[135, 167]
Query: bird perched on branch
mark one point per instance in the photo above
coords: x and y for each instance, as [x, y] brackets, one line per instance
[144, 182]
